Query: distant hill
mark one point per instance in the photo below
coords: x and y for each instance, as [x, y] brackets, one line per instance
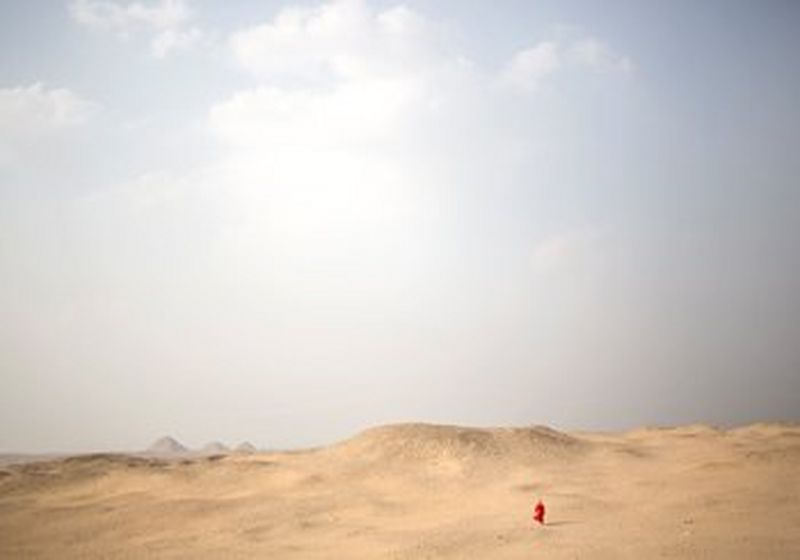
[246, 447]
[401, 444]
[167, 446]
[216, 447]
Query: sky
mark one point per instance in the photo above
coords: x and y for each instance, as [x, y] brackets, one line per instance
[285, 222]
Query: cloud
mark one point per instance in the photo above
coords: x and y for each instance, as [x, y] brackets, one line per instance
[165, 14]
[31, 113]
[319, 175]
[274, 120]
[530, 68]
[340, 76]
[356, 129]
[166, 19]
[344, 153]
[598, 56]
[171, 40]
[343, 39]
[360, 120]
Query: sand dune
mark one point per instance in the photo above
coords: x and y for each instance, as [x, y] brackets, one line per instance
[424, 491]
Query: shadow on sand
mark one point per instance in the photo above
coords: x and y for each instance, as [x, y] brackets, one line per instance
[559, 523]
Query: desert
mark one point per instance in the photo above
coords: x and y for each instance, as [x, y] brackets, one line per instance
[423, 491]
[399, 279]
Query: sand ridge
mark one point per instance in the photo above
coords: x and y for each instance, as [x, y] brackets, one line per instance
[424, 491]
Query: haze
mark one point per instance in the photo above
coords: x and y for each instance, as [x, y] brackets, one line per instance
[285, 222]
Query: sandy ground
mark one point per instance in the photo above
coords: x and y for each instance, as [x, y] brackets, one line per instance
[422, 491]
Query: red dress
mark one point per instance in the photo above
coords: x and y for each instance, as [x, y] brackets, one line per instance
[538, 512]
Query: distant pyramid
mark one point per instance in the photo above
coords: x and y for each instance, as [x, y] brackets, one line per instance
[216, 447]
[246, 447]
[167, 446]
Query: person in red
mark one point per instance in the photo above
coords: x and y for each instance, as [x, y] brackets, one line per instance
[538, 512]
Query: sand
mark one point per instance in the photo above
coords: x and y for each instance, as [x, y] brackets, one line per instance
[424, 491]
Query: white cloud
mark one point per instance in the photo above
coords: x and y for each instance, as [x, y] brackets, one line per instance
[309, 175]
[31, 113]
[528, 67]
[338, 76]
[171, 40]
[342, 89]
[598, 56]
[347, 147]
[166, 19]
[272, 120]
[301, 41]
[165, 14]
[341, 39]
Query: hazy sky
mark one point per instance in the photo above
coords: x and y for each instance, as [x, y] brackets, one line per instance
[286, 222]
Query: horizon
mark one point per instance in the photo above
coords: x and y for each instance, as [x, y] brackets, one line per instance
[285, 222]
[232, 446]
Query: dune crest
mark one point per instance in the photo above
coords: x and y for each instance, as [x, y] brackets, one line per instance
[417, 442]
